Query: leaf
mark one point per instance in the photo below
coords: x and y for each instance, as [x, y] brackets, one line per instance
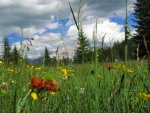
[48, 77]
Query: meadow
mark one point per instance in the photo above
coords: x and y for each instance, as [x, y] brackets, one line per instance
[98, 87]
[75, 88]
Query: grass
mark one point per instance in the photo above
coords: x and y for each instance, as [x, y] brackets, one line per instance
[81, 92]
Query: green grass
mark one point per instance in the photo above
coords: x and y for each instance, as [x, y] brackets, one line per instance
[99, 94]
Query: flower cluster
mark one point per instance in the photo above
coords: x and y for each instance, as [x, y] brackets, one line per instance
[42, 84]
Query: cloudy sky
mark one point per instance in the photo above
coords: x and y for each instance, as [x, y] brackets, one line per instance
[50, 21]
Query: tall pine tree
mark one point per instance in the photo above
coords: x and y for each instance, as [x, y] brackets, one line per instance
[47, 57]
[6, 51]
[15, 55]
[83, 48]
[142, 15]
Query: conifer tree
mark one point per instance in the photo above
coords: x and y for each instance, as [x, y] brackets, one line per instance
[47, 57]
[142, 19]
[83, 48]
[6, 50]
[15, 55]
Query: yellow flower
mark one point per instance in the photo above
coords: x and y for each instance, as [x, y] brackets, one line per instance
[123, 67]
[116, 66]
[34, 96]
[30, 66]
[99, 76]
[59, 68]
[10, 71]
[63, 71]
[145, 96]
[1, 63]
[129, 71]
[53, 93]
[12, 81]
[37, 68]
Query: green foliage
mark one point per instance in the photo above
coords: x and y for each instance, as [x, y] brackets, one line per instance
[15, 55]
[6, 51]
[83, 47]
[47, 59]
[142, 15]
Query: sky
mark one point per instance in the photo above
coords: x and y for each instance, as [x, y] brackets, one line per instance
[51, 24]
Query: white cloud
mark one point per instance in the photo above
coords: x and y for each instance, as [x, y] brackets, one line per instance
[34, 16]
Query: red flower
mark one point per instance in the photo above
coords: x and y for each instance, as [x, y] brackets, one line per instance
[38, 83]
[109, 67]
[51, 87]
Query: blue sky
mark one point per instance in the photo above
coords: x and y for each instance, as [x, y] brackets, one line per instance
[39, 21]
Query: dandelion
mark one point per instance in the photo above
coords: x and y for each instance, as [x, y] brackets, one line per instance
[34, 96]
[145, 96]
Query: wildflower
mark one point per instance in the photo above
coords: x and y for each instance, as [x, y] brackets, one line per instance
[30, 66]
[4, 85]
[10, 71]
[116, 66]
[53, 93]
[59, 68]
[34, 96]
[1, 63]
[12, 81]
[81, 91]
[52, 86]
[37, 68]
[145, 96]
[99, 76]
[109, 67]
[38, 83]
[129, 71]
[65, 72]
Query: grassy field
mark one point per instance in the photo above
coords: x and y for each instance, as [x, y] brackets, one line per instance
[75, 88]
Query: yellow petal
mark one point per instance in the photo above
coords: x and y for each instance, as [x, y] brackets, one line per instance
[34, 96]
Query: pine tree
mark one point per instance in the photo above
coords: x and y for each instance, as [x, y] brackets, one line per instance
[142, 15]
[6, 51]
[15, 55]
[83, 48]
[47, 57]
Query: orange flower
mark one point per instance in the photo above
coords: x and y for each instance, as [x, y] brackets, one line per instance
[52, 86]
[38, 83]
[109, 67]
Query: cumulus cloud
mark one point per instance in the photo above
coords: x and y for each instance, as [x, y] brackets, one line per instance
[35, 16]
